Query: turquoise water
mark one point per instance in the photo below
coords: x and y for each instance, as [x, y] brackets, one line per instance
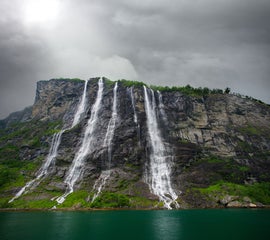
[166, 225]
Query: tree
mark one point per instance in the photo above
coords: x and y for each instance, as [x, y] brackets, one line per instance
[227, 90]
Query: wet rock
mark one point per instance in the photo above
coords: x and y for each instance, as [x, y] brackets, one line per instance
[235, 204]
[252, 205]
[227, 199]
[247, 199]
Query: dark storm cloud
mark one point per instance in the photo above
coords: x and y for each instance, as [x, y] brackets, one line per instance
[213, 43]
[209, 43]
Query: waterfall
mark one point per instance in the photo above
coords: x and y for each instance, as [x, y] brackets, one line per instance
[86, 146]
[157, 175]
[56, 140]
[161, 108]
[81, 107]
[52, 154]
[135, 118]
[133, 104]
[101, 181]
[18, 194]
[111, 126]
[45, 167]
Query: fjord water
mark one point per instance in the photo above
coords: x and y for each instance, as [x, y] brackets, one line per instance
[151, 225]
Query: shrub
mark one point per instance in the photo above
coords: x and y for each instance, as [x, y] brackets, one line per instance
[112, 200]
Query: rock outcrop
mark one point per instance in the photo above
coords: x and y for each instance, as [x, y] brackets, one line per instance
[219, 140]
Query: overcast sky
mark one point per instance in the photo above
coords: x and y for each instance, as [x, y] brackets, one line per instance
[212, 43]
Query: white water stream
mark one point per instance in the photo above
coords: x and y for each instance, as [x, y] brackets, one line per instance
[100, 183]
[161, 108]
[86, 147]
[133, 104]
[158, 173]
[56, 140]
[135, 118]
[81, 107]
[45, 167]
[111, 126]
[104, 176]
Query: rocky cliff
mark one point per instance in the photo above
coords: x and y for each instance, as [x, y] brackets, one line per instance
[133, 146]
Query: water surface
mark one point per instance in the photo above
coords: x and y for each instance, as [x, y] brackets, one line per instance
[166, 225]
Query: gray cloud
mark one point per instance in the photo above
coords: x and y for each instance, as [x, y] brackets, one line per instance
[203, 43]
[23, 57]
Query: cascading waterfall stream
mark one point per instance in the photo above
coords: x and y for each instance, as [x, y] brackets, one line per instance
[133, 104]
[81, 108]
[56, 140]
[44, 168]
[135, 118]
[100, 183]
[104, 176]
[158, 173]
[86, 147]
[161, 108]
[111, 126]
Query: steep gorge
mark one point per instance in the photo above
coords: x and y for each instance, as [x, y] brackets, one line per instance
[100, 143]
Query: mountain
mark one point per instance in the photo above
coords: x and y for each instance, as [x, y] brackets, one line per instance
[105, 144]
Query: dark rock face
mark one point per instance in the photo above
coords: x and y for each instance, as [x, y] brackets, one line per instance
[20, 116]
[56, 99]
[218, 137]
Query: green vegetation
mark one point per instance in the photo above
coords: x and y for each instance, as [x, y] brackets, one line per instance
[81, 199]
[216, 169]
[108, 82]
[76, 199]
[4, 203]
[251, 98]
[6, 174]
[127, 83]
[214, 159]
[25, 131]
[244, 168]
[33, 204]
[245, 147]
[188, 90]
[258, 192]
[250, 130]
[141, 202]
[71, 79]
[111, 200]
[183, 141]
[17, 142]
[117, 200]
[227, 90]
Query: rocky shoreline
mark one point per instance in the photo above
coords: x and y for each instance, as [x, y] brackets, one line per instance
[228, 206]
